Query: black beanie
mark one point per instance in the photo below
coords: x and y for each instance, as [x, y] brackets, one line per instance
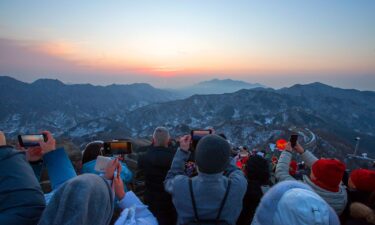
[212, 154]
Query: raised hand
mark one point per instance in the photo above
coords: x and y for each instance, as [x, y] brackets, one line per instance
[34, 153]
[298, 148]
[118, 184]
[110, 169]
[185, 143]
[48, 146]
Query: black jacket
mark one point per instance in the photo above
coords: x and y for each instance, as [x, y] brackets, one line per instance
[250, 202]
[154, 164]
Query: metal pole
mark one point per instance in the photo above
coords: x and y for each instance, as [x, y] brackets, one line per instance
[356, 145]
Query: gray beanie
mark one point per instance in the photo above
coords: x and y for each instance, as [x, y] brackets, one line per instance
[212, 154]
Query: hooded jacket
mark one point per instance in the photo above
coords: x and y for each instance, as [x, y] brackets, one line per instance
[85, 199]
[337, 200]
[21, 198]
[293, 203]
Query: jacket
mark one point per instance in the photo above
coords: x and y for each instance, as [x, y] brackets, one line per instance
[337, 200]
[126, 174]
[134, 212]
[293, 203]
[209, 190]
[154, 164]
[21, 198]
[250, 202]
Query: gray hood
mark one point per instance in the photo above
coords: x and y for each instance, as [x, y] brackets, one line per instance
[85, 199]
[337, 200]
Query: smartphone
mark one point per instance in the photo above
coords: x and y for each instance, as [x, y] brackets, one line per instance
[196, 135]
[117, 147]
[31, 140]
[101, 163]
[293, 140]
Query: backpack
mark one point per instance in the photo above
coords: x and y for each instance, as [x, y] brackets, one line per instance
[217, 220]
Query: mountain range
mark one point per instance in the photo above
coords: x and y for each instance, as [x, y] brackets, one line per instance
[217, 86]
[53, 105]
[327, 118]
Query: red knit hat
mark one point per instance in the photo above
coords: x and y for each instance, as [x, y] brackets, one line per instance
[293, 168]
[364, 180]
[328, 173]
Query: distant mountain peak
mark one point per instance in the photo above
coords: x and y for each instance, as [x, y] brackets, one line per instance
[314, 85]
[49, 82]
[227, 81]
[9, 80]
[218, 86]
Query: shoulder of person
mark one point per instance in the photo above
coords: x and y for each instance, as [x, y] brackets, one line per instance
[181, 182]
[7, 151]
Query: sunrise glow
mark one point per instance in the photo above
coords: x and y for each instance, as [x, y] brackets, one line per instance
[142, 40]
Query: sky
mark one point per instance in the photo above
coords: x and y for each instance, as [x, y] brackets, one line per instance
[177, 43]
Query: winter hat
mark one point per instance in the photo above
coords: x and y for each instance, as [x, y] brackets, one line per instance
[293, 168]
[328, 174]
[364, 180]
[293, 203]
[257, 169]
[212, 154]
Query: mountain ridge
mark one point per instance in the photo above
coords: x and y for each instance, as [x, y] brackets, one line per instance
[84, 112]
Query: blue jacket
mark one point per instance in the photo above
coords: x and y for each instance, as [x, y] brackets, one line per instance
[209, 190]
[21, 198]
[59, 167]
[126, 174]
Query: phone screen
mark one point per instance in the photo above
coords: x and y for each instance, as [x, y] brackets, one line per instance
[118, 147]
[196, 135]
[31, 140]
[293, 140]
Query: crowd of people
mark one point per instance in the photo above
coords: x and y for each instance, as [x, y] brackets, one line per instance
[208, 184]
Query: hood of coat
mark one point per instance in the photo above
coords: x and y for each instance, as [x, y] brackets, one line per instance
[337, 200]
[277, 207]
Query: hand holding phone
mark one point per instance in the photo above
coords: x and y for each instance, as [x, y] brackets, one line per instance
[34, 154]
[118, 185]
[49, 143]
[31, 140]
[185, 142]
[2, 139]
[111, 167]
[298, 148]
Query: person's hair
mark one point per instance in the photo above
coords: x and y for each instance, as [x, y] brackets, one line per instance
[91, 151]
[257, 169]
[223, 136]
[161, 137]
